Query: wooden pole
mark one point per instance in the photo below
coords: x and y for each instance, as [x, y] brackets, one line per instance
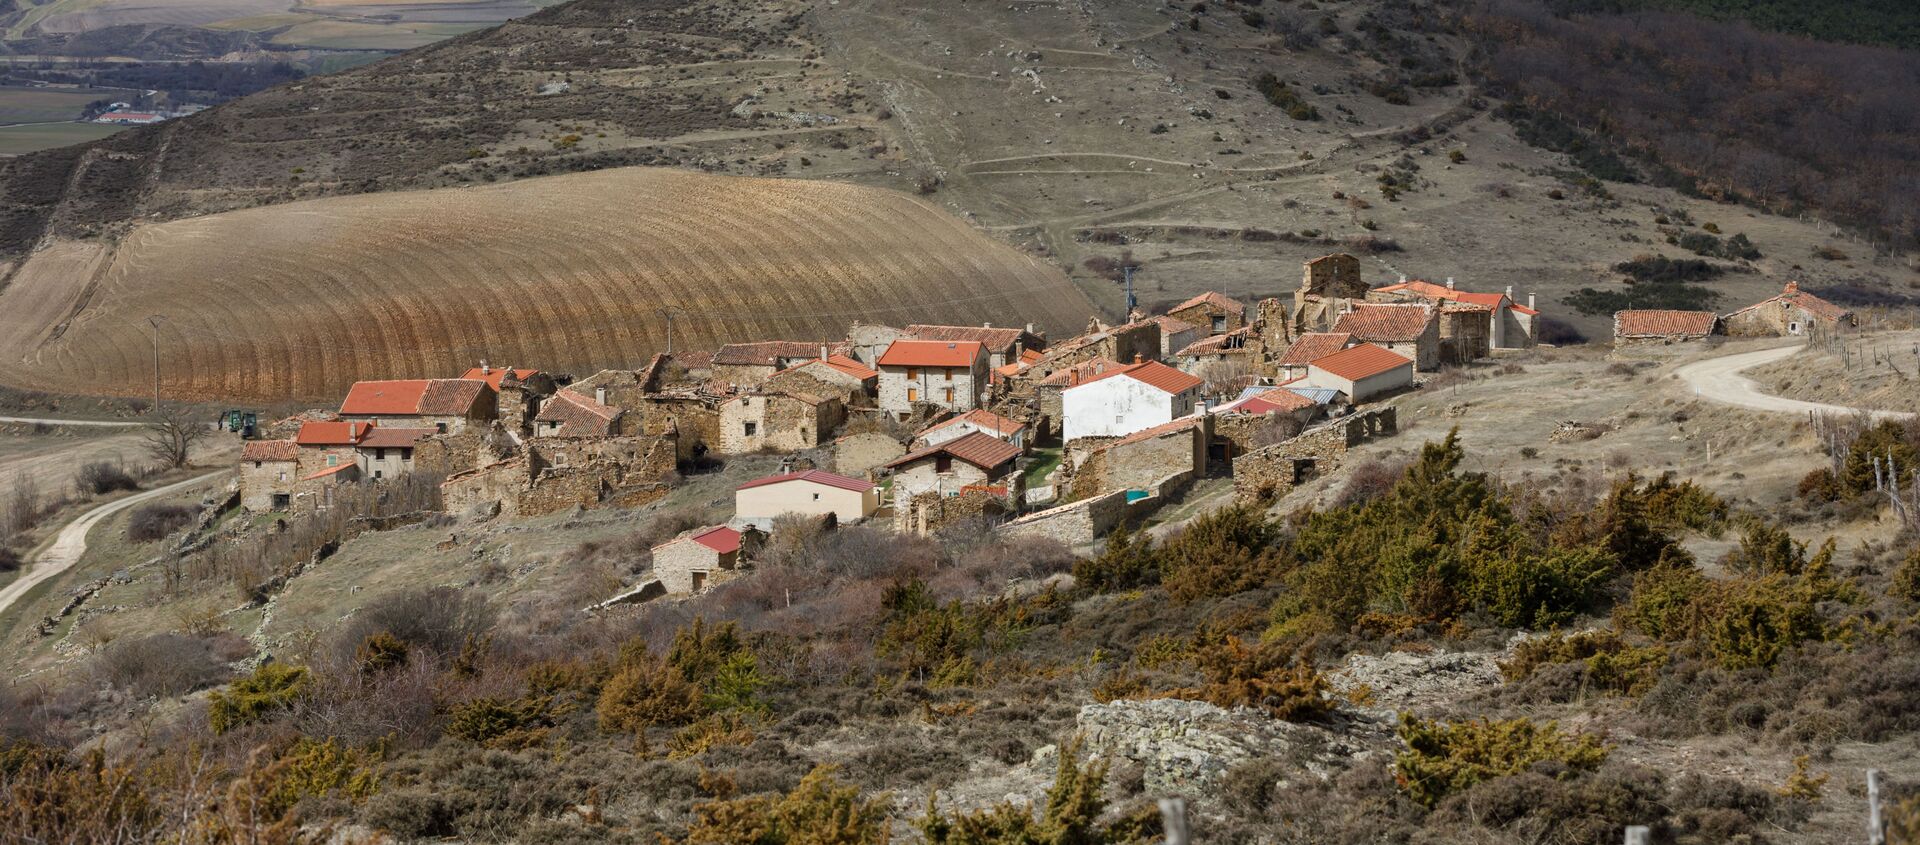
[1173, 820]
[1876, 826]
[1639, 835]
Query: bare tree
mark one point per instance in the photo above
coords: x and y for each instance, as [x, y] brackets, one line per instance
[23, 505]
[171, 435]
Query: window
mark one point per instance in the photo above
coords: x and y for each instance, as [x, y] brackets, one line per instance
[913, 395]
[752, 428]
[256, 464]
[1793, 328]
[943, 463]
[913, 372]
[440, 427]
[816, 497]
[379, 454]
[406, 454]
[949, 395]
[333, 460]
[376, 474]
[948, 374]
[283, 475]
[1220, 324]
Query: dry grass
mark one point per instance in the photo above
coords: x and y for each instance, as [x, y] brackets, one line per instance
[565, 273]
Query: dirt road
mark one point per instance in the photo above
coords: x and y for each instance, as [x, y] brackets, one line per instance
[1719, 380]
[71, 543]
[47, 421]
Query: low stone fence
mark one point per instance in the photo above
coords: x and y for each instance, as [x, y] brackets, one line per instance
[1087, 520]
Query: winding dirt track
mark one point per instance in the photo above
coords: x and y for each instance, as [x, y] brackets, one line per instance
[1719, 380]
[567, 273]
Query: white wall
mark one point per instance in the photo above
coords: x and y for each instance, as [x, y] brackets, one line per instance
[1118, 406]
[804, 497]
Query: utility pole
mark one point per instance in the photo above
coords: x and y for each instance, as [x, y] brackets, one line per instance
[667, 311]
[1127, 273]
[154, 321]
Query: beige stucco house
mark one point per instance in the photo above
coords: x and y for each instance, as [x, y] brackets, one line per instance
[814, 492]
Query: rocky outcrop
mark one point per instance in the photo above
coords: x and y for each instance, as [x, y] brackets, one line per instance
[1185, 747]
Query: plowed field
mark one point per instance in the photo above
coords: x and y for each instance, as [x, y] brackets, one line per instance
[566, 273]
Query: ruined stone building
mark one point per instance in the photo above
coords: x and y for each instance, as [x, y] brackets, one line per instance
[1215, 358]
[1328, 285]
[1175, 335]
[1636, 327]
[776, 420]
[518, 392]
[1211, 312]
[569, 414]
[1411, 330]
[1140, 459]
[980, 420]
[1486, 320]
[837, 376]
[445, 405]
[1791, 312]
[1122, 401]
[554, 474]
[1271, 472]
[693, 561]
[750, 364]
[971, 460]
[1135, 341]
[946, 374]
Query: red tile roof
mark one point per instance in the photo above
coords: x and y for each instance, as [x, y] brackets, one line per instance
[931, 353]
[1657, 323]
[982, 450]
[442, 396]
[1429, 290]
[494, 375]
[1362, 361]
[718, 538]
[840, 363]
[1151, 373]
[270, 450]
[578, 416]
[1314, 345]
[994, 339]
[1082, 371]
[1215, 299]
[393, 438]
[1383, 323]
[815, 476]
[980, 417]
[331, 433]
[767, 353]
[332, 470]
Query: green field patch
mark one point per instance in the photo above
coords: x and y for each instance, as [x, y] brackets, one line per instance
[355, 35]
[20, 104]
[15, 140]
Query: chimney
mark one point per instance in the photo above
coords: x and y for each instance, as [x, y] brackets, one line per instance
[823, 352]
[484, 369]
[1792, 288]
[986, 325]
[600, 395]
[1136, 357]
[1403, 278]
[1029, 328]
[1449, 283]
[1509, 291]
[1530, 303]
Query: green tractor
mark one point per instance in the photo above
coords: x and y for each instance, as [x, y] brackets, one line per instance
[244, 423]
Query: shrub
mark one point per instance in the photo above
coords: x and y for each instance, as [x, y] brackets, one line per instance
[1609, 663]
[270, 689]
[1659, 268]
[497, 723]
[9, 559]
[1442, 758]
[152, 522]
[1128, 562]
[161, 664]
[1280, 94]
[644, 692]
[314, 769]
[443, 621]
[932, 642]
[720, 663]
[380, 652]
[1906, 579]
[819, 811]
[1070, 817]
[1266, 678]
[1228, 551]
[100, 478]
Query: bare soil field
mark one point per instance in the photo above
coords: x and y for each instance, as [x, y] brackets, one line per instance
[567, 273]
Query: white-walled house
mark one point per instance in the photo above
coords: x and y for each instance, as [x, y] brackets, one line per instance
[1133, 398]
[813, 492]
[1362, 372]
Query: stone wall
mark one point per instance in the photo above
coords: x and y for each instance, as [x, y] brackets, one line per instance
[1075, 525]
[478, 490]
[677, 563]
[743, 375]
[822, 381]
[930, 513]
[446, 454]
[1272, 472]
[693, 418]
[777, 422]
[562, 488]
[1138, 465]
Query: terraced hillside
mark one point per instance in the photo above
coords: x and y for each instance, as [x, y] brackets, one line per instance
[566, 272]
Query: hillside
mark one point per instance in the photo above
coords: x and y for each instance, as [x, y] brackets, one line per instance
[568, 272]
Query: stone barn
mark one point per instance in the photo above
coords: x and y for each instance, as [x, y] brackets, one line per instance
[1793, 312]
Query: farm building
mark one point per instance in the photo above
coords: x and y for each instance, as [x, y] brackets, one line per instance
[688, 563]
[750, 364]
[267, 472]
[836, 376]
[445, 405]
[1648, 327]
[1175, 335]
[980, 420]
[814, 492]
[949, 374]
[1211, 312]
[1362, 372]
[783, 421]
[387, 452]
[1792, 312]
[1412, 330]
[1122, 401]
[945, 468]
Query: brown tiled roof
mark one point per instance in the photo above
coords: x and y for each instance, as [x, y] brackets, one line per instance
[1383, 323]
[1160, 430]
[1362, 361]
[451, 396]
[1314, 345]
[494, 375]
[766, 353]
[1236, 339]
[331, 433]
[1793, 295]
[982, 450]
[382, 437]
[270, 450]
[1656, 323]
[839, 363]
[1213, 298]
[1273, 401]
[994, 339]
[1151, 373]
[578, 416]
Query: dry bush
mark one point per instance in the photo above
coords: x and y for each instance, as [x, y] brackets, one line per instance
[160, 665]
[100, 478]
[155, 521]
[1372, 479]
[443, 621]
[23, 506]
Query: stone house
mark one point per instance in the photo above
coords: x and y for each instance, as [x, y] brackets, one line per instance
[1412, 330]
[1271, 472]
[1004, 346]
[1328, 284]
[1463, 332]
[1792, 312]
[1212, 312]
[1648, 327]
[777, 421]
[325, 444]
[569, 414]
[1175, 335]
[1503, 322]
[928, 513]
[267, 473]
[970, 460]
[445, 405]
[836, 376]
[1308, 348]
[387, 452]
[813, 492]
[692, 417]
[691, 562]
[1222, 356]
[861, 454]
[980, 420]
[1047, 390]
[947, 374]
[1120, 402]
[1362, 372]
[560, 473]
[518, 392]
[1135, 341]
[750, 364]
[316, 490]
[1140, 459]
